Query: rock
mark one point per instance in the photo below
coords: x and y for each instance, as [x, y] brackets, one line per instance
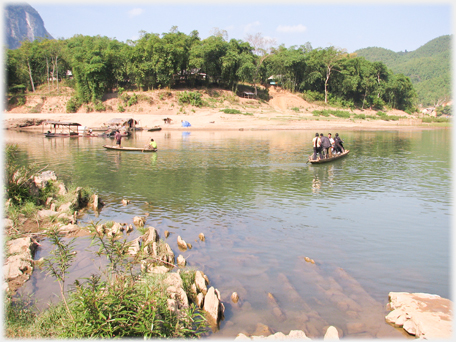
[179, 295]
[212, 306]
[52, 207]
[173, 279]
[262, 330]
[166, 233]
[125, 202]
[331, 334]
[297, 334]
[7, 223]
[200, 300]
[201, 237]
[181, 243]
[307, 259]
[46, 213]
[139, 221]
[41, 181]
[151, 236]
[49, 201]
[422, 315]
[115, 230]
[181, 261]
[62, 189]
[95, 201]
[200, 282]
[65, 207]
[129, 229]
[189, 245]
[234, 297]
[69, 228]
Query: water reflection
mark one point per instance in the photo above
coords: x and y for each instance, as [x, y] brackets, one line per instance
[263, 210]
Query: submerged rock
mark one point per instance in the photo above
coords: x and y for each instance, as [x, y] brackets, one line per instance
[181, 243]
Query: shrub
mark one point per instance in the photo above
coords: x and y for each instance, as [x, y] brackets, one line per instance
[230, 111]
[73, 105]
[192, 98]
[99, 106]
[132, 100]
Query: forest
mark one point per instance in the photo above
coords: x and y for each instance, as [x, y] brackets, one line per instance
[95, 65]
[429, 68]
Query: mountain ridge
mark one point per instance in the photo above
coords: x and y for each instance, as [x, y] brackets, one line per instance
[22, 22]
[429, 67]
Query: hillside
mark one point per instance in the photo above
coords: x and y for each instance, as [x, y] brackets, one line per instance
[429, 67]
[22, 22]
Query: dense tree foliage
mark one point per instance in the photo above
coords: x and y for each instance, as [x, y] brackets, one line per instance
[100, 64]
[428, 67]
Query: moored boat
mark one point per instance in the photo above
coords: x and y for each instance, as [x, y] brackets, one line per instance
[66, 129]
[326, 160]
[128, 148]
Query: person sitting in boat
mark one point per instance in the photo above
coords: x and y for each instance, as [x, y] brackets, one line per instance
[152, 144]
[338, 144]
[331, 140]
[325, 145]
[316, 142]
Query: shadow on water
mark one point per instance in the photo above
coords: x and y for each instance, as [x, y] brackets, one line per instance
[263, 210]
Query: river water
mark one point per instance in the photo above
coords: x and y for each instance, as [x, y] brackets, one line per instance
[375, 221]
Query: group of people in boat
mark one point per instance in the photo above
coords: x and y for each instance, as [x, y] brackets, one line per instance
[325, 147]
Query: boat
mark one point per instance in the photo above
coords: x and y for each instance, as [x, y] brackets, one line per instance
[327, 160]
[153, 129]
[67, 129]
[128, 148]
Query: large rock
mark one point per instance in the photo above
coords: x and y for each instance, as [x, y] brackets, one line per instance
[19, 265]
[423, 315]
[212, 306]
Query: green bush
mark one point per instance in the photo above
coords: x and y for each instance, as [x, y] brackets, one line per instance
[192, 98]
[73, 105]
[132, 100]
[359, 116]
[312, 96]
[230, 111]
[99, 106]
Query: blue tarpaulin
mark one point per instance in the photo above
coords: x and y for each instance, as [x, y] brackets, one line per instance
[186, 123]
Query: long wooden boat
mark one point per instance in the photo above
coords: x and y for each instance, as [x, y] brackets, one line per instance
[327, 160]
[154, 129]
[128, 148]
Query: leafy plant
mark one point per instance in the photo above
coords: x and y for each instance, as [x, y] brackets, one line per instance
[59, 261]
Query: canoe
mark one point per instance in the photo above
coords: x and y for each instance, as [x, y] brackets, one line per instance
[326, 160]
[128, 148]
[154, 129]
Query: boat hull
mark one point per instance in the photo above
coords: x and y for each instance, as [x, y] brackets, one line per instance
[327, 160]
[127, 148]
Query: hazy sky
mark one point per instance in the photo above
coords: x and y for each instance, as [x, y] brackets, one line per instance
[397, 26]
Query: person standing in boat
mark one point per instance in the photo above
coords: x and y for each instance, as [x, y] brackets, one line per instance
[118, 138]
[338, 144]
[325, 145]
[331, 140]
[316, 142]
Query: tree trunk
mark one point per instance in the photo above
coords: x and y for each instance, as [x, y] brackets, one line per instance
[30, 73]
[47, 68]
[57, 67]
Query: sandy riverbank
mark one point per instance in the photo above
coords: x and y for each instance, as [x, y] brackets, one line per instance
[209, 119]
[283, 111]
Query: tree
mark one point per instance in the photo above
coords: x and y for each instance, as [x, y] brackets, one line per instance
[261, 47]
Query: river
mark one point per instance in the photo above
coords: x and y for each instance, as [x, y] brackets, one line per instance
[375, 221]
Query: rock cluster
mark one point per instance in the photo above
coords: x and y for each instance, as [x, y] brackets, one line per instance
[19, 265]
[422, 315]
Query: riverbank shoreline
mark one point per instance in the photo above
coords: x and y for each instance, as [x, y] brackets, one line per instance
[208, 120]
